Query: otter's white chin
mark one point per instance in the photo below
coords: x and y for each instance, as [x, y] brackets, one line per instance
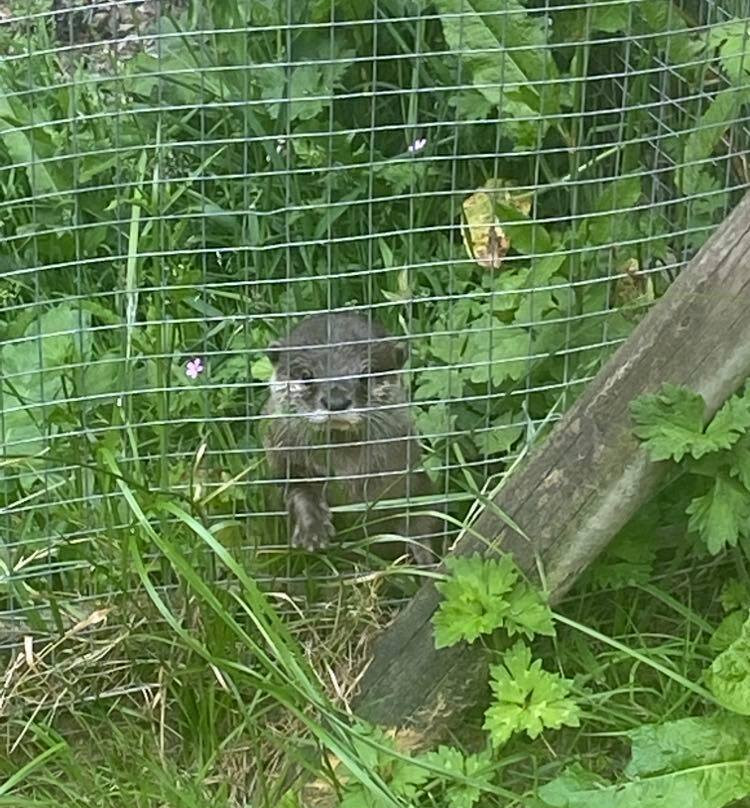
[336, 420]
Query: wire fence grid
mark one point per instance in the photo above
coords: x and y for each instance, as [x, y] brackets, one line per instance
[505, 186]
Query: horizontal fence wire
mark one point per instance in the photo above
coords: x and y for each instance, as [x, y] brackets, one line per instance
[505, 187]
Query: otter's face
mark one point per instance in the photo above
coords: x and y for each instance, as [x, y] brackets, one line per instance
[335, 385]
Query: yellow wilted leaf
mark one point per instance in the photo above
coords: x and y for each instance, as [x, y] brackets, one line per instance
[484, 238]
[634, 289]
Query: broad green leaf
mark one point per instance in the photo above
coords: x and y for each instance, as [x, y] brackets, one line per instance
[705, 136]
[735, 594]
[731, 40]
[437, 383]
[22, 148]
[528, 612]
[729, 675]
[503, 433]
[729, 630]
[689, 763]
[617, 196]
[499, 73]
[261, 369]
[721, 515]
[686, 742]
[500, 353]
[612, 17]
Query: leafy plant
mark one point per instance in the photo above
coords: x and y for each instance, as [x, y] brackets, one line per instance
[671, 425]
[481, 596]
[527, 698]
[691, 762]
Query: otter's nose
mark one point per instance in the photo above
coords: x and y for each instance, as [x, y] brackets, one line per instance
[336, 400]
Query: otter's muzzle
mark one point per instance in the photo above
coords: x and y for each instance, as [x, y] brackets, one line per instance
[336, 398]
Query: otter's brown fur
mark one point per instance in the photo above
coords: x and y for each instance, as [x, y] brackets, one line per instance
[339, 430]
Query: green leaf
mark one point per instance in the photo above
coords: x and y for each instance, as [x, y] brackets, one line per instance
[502, 434]
[528, 612]
[735, 594]
[502, 53]
[611, 17]
[261, 369]
[729, 630]
[729, 675]
[617, 196]
[627, 560]
[671, 423]
[501, 353]
[731, 421]
[704, 138]
[721, 515]
[739, 461]
[23, 149]
[690, 763]
[686, 742]
[477, 767]
[527, 698]
[436, 383]
[31, 368]
[475, 598]
[731, 41]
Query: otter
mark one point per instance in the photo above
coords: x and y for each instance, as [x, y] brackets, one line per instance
[338, 430]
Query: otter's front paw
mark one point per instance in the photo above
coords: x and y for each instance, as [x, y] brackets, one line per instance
[314, 530]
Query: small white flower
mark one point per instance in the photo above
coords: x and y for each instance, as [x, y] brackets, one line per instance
[417, 145]
[280, 143]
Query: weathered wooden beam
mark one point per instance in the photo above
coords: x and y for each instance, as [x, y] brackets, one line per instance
[583, 483]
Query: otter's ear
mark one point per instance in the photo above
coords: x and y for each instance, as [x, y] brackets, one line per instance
[400, 353]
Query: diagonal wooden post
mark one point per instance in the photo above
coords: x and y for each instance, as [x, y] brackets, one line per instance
[583, 483]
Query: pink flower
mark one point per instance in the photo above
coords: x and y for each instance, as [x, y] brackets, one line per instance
[194, 368]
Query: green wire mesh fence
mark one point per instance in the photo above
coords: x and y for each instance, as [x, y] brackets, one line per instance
[504, 185]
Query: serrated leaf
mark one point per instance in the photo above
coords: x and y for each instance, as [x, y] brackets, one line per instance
[670, 423]
[477, 767]
[527, 698]
[528, 613]
[436, 382]
[739, 461]
[729, 675]
[474, 598]
[721, 515]
[731, 422]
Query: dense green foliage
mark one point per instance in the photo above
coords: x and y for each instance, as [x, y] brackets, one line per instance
[259, 158]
